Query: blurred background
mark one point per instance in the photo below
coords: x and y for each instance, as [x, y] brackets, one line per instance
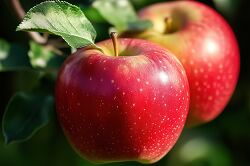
[222, 142]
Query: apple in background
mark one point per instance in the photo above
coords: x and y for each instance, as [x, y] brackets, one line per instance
[132, 106]
[207, 48]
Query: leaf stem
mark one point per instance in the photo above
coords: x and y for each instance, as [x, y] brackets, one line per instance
[113, 36]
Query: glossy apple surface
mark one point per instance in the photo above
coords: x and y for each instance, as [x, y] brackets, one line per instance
[127, 107]
[206, 46]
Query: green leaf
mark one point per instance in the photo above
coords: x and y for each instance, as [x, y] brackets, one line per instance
[139, 4]
[120, 13]
[139, 25]
[13, 57]
[92, 14]
[42, 58]
[24, 115]
[62, 19]
[4, 49]
[227, 7]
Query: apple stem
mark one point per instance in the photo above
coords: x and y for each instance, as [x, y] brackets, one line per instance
[168, 24]
[113, 36]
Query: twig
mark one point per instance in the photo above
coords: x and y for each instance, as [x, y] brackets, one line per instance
[51, 44]
[18, 9]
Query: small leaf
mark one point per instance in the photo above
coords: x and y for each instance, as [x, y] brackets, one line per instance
[24, 115]
[42, 57]
[120, 13]
[4, 49]
[13, 57]
[139, 25]
[139, 4]
[92, 14]
[227, 7]
[62, 19]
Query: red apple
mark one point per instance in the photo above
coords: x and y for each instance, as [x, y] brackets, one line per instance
[206, 46]
[127, 107]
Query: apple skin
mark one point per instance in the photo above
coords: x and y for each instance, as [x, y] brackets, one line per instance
[207, 48]
[130, 107]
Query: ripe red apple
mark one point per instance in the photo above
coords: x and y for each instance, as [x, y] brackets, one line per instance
[127, 107]
[206, 46]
